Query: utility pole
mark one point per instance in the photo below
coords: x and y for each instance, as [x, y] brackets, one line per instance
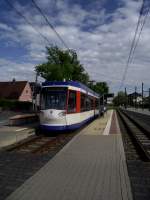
[102, 99]
[125, 98]
[149, 99]
[142, 95]
[36, 81]
[135, 96]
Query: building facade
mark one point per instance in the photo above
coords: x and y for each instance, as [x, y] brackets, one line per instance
[16, 90]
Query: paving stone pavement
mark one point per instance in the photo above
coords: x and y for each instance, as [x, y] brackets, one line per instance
[90, 167]
[15, 168]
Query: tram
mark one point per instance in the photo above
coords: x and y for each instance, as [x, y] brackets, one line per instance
[66, 105]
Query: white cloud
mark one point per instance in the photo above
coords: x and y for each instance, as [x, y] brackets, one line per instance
[5, 27]
[102, 45]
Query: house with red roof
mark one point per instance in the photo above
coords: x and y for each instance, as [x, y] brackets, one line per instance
[16, 90]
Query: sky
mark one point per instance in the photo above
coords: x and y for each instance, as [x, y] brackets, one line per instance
[100, 31]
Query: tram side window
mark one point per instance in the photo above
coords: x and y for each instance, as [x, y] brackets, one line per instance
[88, 103]
[97, 104]
[72, 102]
[92, 103]
[83, 105]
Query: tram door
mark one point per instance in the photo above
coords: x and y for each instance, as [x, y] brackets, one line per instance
[94, 106]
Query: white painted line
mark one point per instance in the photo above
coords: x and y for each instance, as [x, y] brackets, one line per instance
[107, 128]
[21, 129]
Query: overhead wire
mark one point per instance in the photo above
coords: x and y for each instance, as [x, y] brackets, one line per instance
[135, 34]
[28, 22]
[132, 46]
[50, 25]
[135, 40]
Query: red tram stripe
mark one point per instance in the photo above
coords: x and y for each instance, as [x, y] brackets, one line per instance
[78, 102]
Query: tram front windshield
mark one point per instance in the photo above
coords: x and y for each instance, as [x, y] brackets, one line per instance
[53, 98]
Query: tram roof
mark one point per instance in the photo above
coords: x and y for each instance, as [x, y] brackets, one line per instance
[70, 83]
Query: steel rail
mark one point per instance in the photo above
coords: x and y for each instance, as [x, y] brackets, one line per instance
[131, 127]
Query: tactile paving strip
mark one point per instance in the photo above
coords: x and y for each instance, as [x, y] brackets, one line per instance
[114, 128]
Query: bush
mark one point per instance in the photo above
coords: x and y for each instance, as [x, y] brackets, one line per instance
[6, 104]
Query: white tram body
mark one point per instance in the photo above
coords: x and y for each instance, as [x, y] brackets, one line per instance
[67, 105]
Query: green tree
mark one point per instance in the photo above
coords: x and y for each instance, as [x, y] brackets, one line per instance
[62, 64]
[120, 99]
[100, 87]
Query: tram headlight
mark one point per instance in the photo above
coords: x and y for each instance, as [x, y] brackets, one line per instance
[51, 112]
[61, 114]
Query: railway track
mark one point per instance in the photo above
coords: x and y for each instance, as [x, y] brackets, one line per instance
[140, 137]
[135, 134]
[20, 161]
[42, 144]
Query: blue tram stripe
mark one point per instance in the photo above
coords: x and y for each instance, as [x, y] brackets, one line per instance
[70, 83]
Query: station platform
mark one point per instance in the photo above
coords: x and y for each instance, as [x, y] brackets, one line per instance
[12, 134]
[91, 166]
